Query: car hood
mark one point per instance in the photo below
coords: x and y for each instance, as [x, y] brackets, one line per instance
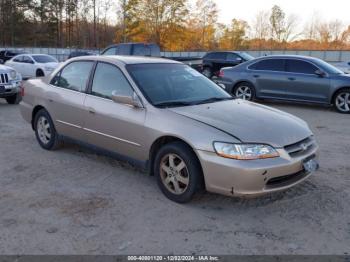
[249, 122]
[5, 69]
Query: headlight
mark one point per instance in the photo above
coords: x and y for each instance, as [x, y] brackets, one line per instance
[245, 151]
[13, 74]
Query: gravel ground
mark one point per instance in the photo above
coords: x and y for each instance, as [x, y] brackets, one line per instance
[73, 201]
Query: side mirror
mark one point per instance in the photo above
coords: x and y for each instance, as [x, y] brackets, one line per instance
[238, 59]
[132, 100]
[320, 73]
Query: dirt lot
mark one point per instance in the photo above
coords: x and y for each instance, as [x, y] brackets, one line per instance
[73, 201]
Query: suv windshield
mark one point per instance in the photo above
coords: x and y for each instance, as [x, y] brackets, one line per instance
[166, 85]
[44, 59]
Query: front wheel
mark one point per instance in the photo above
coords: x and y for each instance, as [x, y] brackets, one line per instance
[14, 100]
[342, 101]
[45, 131]
[178, 172]
[244, 91]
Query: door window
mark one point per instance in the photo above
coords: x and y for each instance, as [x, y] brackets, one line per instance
[74, 76]
[299, 66]
[18, 59]
[232, 57]
[109, 78]
[27, 59]
[269, 65]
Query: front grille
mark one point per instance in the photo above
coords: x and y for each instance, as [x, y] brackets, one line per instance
[301, 148]
[4, 79]
[285, 180]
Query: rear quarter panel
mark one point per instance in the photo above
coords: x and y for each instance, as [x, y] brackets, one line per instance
[34, 95]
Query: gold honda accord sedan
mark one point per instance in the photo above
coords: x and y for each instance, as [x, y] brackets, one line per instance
[169, 119]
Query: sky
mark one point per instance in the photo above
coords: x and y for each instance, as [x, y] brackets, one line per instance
[304, 9]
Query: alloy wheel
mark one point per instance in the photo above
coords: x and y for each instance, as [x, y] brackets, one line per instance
[174, 173]
[44, 130]
[342, 102]
[244, 92]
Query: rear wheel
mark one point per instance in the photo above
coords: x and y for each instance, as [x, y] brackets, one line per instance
[13, 100]
[244, 91]
[178, 172]
[342, 101]
[45, 131]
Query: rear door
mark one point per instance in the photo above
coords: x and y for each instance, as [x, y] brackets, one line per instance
[270, 77]
[66, 99]
[109, 125]
[304, 84]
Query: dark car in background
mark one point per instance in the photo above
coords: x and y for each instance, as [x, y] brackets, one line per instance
[133, 49]
[292, 78]
[6, 55]
[214, 61]
[78, 53]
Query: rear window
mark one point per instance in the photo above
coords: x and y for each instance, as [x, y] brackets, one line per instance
[269, 65]
[44, 59]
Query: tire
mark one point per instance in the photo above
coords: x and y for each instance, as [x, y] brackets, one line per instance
[40, 73]
[45, 131]
[341, 101]
[14, 100]
[207, 72]
[245, 91]
[188, 178]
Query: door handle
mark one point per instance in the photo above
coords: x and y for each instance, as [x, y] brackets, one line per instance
[91, 110]
[51, 100]
[256, 76]
[291, 78]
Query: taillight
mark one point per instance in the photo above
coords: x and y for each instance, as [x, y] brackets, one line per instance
[22, 90]
[221, 73]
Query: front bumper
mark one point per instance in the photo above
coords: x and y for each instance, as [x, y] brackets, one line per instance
[253, 177]
[10, 89]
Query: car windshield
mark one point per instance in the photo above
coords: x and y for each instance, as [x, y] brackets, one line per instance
[171, 85]
[44, 59]
[246, 56]
[329, 68]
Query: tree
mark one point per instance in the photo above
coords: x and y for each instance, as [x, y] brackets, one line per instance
[235, 36]
[277, 22]
[207, 16]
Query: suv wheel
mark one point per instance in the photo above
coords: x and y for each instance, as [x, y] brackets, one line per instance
[45, 131]
[13, 100]
[244, 91]
[207, 72]
[178, 172]
[342, 101]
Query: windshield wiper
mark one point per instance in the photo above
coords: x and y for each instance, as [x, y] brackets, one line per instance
[173, 104]
[212, 99]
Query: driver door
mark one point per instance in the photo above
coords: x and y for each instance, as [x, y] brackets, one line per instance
[109, 125]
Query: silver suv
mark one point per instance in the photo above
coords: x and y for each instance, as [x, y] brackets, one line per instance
[10, 82]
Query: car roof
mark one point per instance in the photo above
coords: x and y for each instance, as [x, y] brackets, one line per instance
[289, 56]
[128, 60]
